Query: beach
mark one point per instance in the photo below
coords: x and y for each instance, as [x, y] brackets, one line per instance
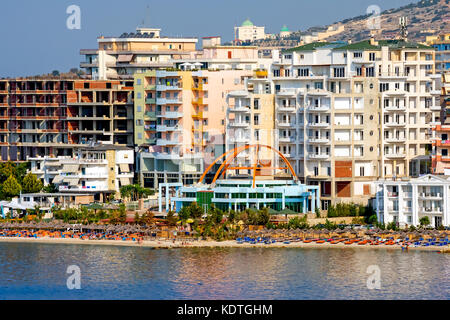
[168, 244]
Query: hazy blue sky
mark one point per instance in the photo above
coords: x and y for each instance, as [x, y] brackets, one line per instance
[35, 39]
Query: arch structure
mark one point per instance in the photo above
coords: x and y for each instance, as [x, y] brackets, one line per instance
[230, 155]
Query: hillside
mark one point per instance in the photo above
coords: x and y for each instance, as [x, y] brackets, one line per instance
[426, 17]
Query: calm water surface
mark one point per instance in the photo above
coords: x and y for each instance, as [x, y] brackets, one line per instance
[38, 271]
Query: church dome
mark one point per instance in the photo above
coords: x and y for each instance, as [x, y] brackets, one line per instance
[284, 29]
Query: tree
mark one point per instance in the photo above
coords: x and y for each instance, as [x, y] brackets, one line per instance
[55, 73]
[184, 213]
[31, 184]
[424, 221]
[148, 217]
[317, 213]
[195, 211]
[11, 187]
[171, 219]
[264, 217]
[122, 213]
[50, 188]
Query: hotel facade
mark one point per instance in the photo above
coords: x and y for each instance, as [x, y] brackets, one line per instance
[406, 201]
[346, 114]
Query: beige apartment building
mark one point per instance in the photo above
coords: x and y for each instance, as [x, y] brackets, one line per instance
[121, 57]
[348, 114]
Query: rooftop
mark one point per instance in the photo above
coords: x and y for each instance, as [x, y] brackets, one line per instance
[247, 23]
[362, 45]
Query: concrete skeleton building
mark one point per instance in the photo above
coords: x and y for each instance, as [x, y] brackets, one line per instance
[98, 170]
[46, 116]
[346, 114]
[406, 201]
[130, 53]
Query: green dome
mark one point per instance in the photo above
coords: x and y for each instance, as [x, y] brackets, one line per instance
[284, 29]
[247, 23]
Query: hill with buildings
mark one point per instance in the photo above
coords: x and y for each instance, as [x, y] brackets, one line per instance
[425, 18]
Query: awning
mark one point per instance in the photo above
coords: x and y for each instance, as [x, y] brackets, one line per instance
[70, 168]
[124, 57]
[52, 164]
[73, 181]
[124, 167]
[125, 181]
[57, 179]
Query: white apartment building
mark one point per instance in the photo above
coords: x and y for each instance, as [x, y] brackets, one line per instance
[406, 201]
[346, 114]
[249, 32]
[99, 170]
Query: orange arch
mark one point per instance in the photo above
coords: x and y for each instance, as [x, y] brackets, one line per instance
[232, 154]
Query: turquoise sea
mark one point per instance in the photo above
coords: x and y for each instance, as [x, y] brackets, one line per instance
[39, 271]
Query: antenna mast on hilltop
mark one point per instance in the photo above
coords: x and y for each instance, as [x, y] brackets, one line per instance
[146, 20]
[403, 24]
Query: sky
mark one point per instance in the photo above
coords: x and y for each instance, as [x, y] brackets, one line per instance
[36, 40]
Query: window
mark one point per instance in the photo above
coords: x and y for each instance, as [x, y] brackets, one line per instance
[318, 85]
[339, 72]
[444, 152]
[256, 104]
[357, 54]
[303, 72]
[370, 72]
[138, 81]
[384, 87]
[361, 171]
[359, 71]
[371, 56]
[256, 119]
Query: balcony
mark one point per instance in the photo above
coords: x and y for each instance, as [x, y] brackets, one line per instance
[170, 115]
[239, 139]
[321, 108]
[430, 196]
[319, 156]
[395, 155]
[164, 128]
[285, 124]
[150, 87]
[150, 115]
[319, 125]
[395, 140]
[395, 124]
[239, 124]
[162, 87]
[286, 93]
[394, 108]
[150, 101]
[150, 127]
[286, 108]
[168, 101]
[286, 139]
[165, 142]
[435, 108]
[393, 194]
[244, 109]
[318, 140]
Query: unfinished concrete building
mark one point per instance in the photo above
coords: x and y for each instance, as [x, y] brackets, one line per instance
[45, 116]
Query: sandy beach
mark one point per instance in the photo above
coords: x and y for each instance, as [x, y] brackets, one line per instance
[168, 244]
